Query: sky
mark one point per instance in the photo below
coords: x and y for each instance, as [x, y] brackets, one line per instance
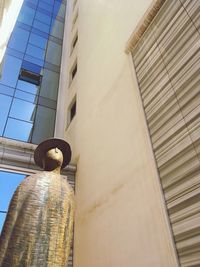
[8, 184]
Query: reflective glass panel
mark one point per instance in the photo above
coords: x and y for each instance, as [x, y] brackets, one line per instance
[19, 39]
[11, 68]
[53, 54]
[43, 18]
[38, 40]
[5, 102]
[40, 33]
[26, 15]
[52, 67]
[15, 53]
[41, 26]
[46, 118]
[49, 87]
[19, 130]
[6, 90]
[32, 67]
[45, 6]
[23, 110]
[47, 102]
[35, 51]
[57, 28]
[59, 9]
[27, 87]
[34, 2]
[23, 26]
[34, 60]
[50, 2]
[26, 96]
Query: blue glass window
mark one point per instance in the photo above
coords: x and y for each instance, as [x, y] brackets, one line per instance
[35, 51]
[26, 15]
[11, 69]
[49, 86]
[40, 33]
[41, 26]
[31, 67]
[50, 2]
[49, 103]
[8, 184]
[52, 67]
[45, 6]
[23, 26]
[19, 39]
[38, 40]
[57, 29]
[19, 130]
[27, 87]
[43, 18]
[5, 102]
[54, 51]
[23, 110]
[34, 60]
[59, 9]
[26, 96]
[6, 90]
[15, 53]
[44, 116]
[33, 2]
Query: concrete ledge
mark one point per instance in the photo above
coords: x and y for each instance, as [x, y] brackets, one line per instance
[17, 155]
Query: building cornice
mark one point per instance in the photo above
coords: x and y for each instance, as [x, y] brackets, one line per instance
[143, 25]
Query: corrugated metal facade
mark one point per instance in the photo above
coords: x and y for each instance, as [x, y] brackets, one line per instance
[71, 181]
[167, 61]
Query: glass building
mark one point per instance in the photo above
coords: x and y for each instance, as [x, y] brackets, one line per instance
[29, 82]
[30, 72]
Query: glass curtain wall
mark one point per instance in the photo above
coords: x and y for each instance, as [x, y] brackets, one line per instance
[30, 75]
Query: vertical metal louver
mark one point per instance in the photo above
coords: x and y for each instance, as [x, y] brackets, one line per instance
[71, 181]
[167, 64]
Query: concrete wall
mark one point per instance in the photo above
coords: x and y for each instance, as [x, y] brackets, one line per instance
[9, 10]
[120, 216]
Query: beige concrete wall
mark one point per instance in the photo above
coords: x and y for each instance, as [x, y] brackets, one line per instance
[120, 216]
[2, 6]
[9, 10]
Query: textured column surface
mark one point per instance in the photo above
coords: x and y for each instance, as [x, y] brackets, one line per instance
[38, 227]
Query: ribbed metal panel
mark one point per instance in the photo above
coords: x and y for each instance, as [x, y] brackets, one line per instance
[167, 61]
[71, 181]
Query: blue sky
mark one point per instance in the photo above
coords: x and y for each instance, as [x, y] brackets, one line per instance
[8, 185]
